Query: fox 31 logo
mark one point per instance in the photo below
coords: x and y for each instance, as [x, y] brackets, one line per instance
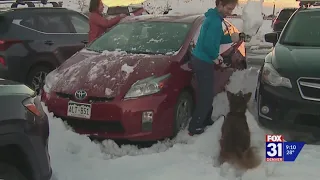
[274, 148]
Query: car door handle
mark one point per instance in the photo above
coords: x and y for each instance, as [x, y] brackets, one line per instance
[85, 41]
[49, 42]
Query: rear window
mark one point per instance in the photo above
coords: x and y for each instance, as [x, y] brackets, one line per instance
[286, 14]
[143, 38]
[303, 30]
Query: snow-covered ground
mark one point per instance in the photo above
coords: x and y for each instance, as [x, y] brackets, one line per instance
[75, 157]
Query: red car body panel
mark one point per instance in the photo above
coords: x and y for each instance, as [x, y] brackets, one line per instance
[114, 117]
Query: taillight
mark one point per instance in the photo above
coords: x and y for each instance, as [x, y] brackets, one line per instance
[5, 44]
[30, 105]
[2, 61]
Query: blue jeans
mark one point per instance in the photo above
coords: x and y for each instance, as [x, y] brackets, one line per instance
[204, 77]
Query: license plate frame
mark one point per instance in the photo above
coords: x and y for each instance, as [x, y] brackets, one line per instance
[79, 110]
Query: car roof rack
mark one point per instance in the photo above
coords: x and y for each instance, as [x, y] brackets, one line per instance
[308, 3]
[30, 3]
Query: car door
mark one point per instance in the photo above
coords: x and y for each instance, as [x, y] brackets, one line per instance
[60, 36]
[80, 27]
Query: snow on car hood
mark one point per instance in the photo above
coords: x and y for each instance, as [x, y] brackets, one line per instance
[252, 17]
[106, 73]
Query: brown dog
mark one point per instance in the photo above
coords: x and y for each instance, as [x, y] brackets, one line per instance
[235, 138]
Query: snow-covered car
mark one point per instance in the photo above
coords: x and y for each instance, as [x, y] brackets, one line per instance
[288, 90]
[141, 86]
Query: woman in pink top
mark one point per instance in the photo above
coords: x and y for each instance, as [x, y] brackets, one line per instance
[98, 24]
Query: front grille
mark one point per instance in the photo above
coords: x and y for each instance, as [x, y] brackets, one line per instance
[94, 125]
[309, 88]
[90, 99]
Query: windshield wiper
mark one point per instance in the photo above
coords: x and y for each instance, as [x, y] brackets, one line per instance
[140, 52]
[293, 43]
[300, 44]
[94, 50]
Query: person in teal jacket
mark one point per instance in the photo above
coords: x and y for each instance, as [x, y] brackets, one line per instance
[203, 57]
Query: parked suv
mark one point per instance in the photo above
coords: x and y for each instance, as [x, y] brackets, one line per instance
[280, 21]
[24, 133]
[288, 91]
[36, 40]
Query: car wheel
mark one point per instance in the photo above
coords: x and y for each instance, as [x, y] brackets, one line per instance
[183, 111]
[36, 77]
[9, 172]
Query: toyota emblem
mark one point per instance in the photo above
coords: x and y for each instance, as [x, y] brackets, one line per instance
[80, 94]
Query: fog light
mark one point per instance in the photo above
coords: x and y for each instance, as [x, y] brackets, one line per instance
[265, 109]
[147, 119]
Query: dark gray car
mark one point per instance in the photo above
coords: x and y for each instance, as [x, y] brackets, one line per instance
[24, 132]
[281, 20]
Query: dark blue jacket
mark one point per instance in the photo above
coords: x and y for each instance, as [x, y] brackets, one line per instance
[211, 37]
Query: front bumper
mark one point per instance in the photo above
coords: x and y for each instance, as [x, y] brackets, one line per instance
[120, 119]
[287, 110]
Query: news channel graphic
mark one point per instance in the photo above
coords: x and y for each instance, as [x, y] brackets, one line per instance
[277, 150]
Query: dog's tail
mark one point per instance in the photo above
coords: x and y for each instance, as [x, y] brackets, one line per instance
[250, 159]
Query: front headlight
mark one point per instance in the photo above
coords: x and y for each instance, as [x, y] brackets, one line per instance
[148, 86]
[273, 78]
[49, 80]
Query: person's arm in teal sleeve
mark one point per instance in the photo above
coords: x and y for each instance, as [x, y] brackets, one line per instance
[225, 39]
[212, 39]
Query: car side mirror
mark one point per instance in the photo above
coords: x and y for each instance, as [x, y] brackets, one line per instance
[271, 37]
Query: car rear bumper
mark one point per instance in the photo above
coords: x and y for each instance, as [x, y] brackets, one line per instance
[121, 119]
[287, 110]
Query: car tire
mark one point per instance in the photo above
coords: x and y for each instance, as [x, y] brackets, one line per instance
[183, 111]
[40, 72]
[9, 172]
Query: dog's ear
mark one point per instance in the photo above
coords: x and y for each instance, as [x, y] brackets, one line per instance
[229, 94]
[247, 96]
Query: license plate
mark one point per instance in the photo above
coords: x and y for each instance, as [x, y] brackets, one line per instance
[79, 110]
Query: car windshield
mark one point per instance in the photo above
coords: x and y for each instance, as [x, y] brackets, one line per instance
[143, 38]
[303, 30]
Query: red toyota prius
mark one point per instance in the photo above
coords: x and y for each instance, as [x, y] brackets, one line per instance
[135, 82]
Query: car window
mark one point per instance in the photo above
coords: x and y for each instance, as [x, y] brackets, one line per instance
[196, 36]
[29, 22]
[5, 24]
[303, 29]
[143, 38]
[53, 24]
[80, 23]
[285, 14]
